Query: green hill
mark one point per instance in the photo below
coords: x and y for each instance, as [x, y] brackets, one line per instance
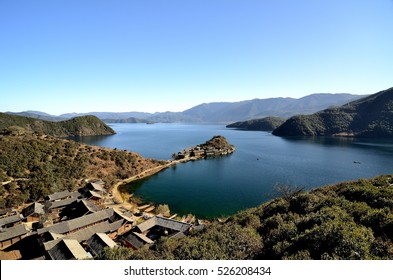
[371, 116]
[350, 220]
[79, 126]
[32, 166]
[264, 124]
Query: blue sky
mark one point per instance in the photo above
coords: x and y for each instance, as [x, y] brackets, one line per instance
[153, 55]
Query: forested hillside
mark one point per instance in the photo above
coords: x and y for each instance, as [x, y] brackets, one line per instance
[264, 124]
[79, 126]
[33, 166]
[371, 116]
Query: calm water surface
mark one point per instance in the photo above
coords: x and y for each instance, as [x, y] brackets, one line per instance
[222, 186]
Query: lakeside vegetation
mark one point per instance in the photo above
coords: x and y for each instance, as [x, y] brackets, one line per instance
[79, 126]
[349, 220]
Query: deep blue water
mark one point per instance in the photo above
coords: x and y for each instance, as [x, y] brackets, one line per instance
[222, 186]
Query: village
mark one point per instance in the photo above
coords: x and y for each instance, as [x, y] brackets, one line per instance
[80, 224]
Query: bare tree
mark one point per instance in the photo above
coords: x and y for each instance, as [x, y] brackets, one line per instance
[287, 191]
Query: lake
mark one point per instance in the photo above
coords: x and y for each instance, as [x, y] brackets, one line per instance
[223, 186]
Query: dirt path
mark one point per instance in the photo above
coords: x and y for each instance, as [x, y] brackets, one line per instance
[13, 180]
[149, 172]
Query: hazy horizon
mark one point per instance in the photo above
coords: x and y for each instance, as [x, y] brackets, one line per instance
[136, 111]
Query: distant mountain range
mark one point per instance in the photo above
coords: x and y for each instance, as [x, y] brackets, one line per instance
[38, 115]
[259, 108]
[220, 112]
[371, 116]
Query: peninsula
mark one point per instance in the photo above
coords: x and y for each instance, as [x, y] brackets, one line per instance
[217, 146]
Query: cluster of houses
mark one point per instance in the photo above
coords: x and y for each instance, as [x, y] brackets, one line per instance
[215, 147]
[78, 225]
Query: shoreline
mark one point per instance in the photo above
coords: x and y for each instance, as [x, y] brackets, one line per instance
[117, 195]
[215, 147]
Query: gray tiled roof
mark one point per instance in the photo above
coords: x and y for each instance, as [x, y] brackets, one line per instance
[34, 208]
[123, 216]
[58, 195]
[68, 249]
[98, 242]
[6, 211]
[165, 223]
[13, 232]
[94, 194]
[52, 243]
[144, 238]
[116, 225]
[71, 225]
[10, 219]
[134, 241]
[90, 206]
[106, 239]
[85, 234]
[146, 225]
[172, 224]
[96, 187]
[62, 203]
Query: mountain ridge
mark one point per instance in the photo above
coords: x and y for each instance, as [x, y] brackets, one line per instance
[370, 116]
[228, 112]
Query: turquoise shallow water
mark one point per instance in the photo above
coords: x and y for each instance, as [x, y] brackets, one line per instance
[222, 186]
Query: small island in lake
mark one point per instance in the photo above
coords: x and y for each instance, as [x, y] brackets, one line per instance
[217, 146]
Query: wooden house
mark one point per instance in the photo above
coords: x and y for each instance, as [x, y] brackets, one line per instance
[98, 242]
[73, 225]
[11, 255]
[106, 220]
[58, 205]
[12, 235]
[7, 212]
[127, 221]
[62, 195]
[94, 192]
[56, 208]
[79, 208]
[33, 212]
[95, 187]
[10, 221]
[58, 196]
[49, 239]
[67, 249]
[135, 240]
[158, 226]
